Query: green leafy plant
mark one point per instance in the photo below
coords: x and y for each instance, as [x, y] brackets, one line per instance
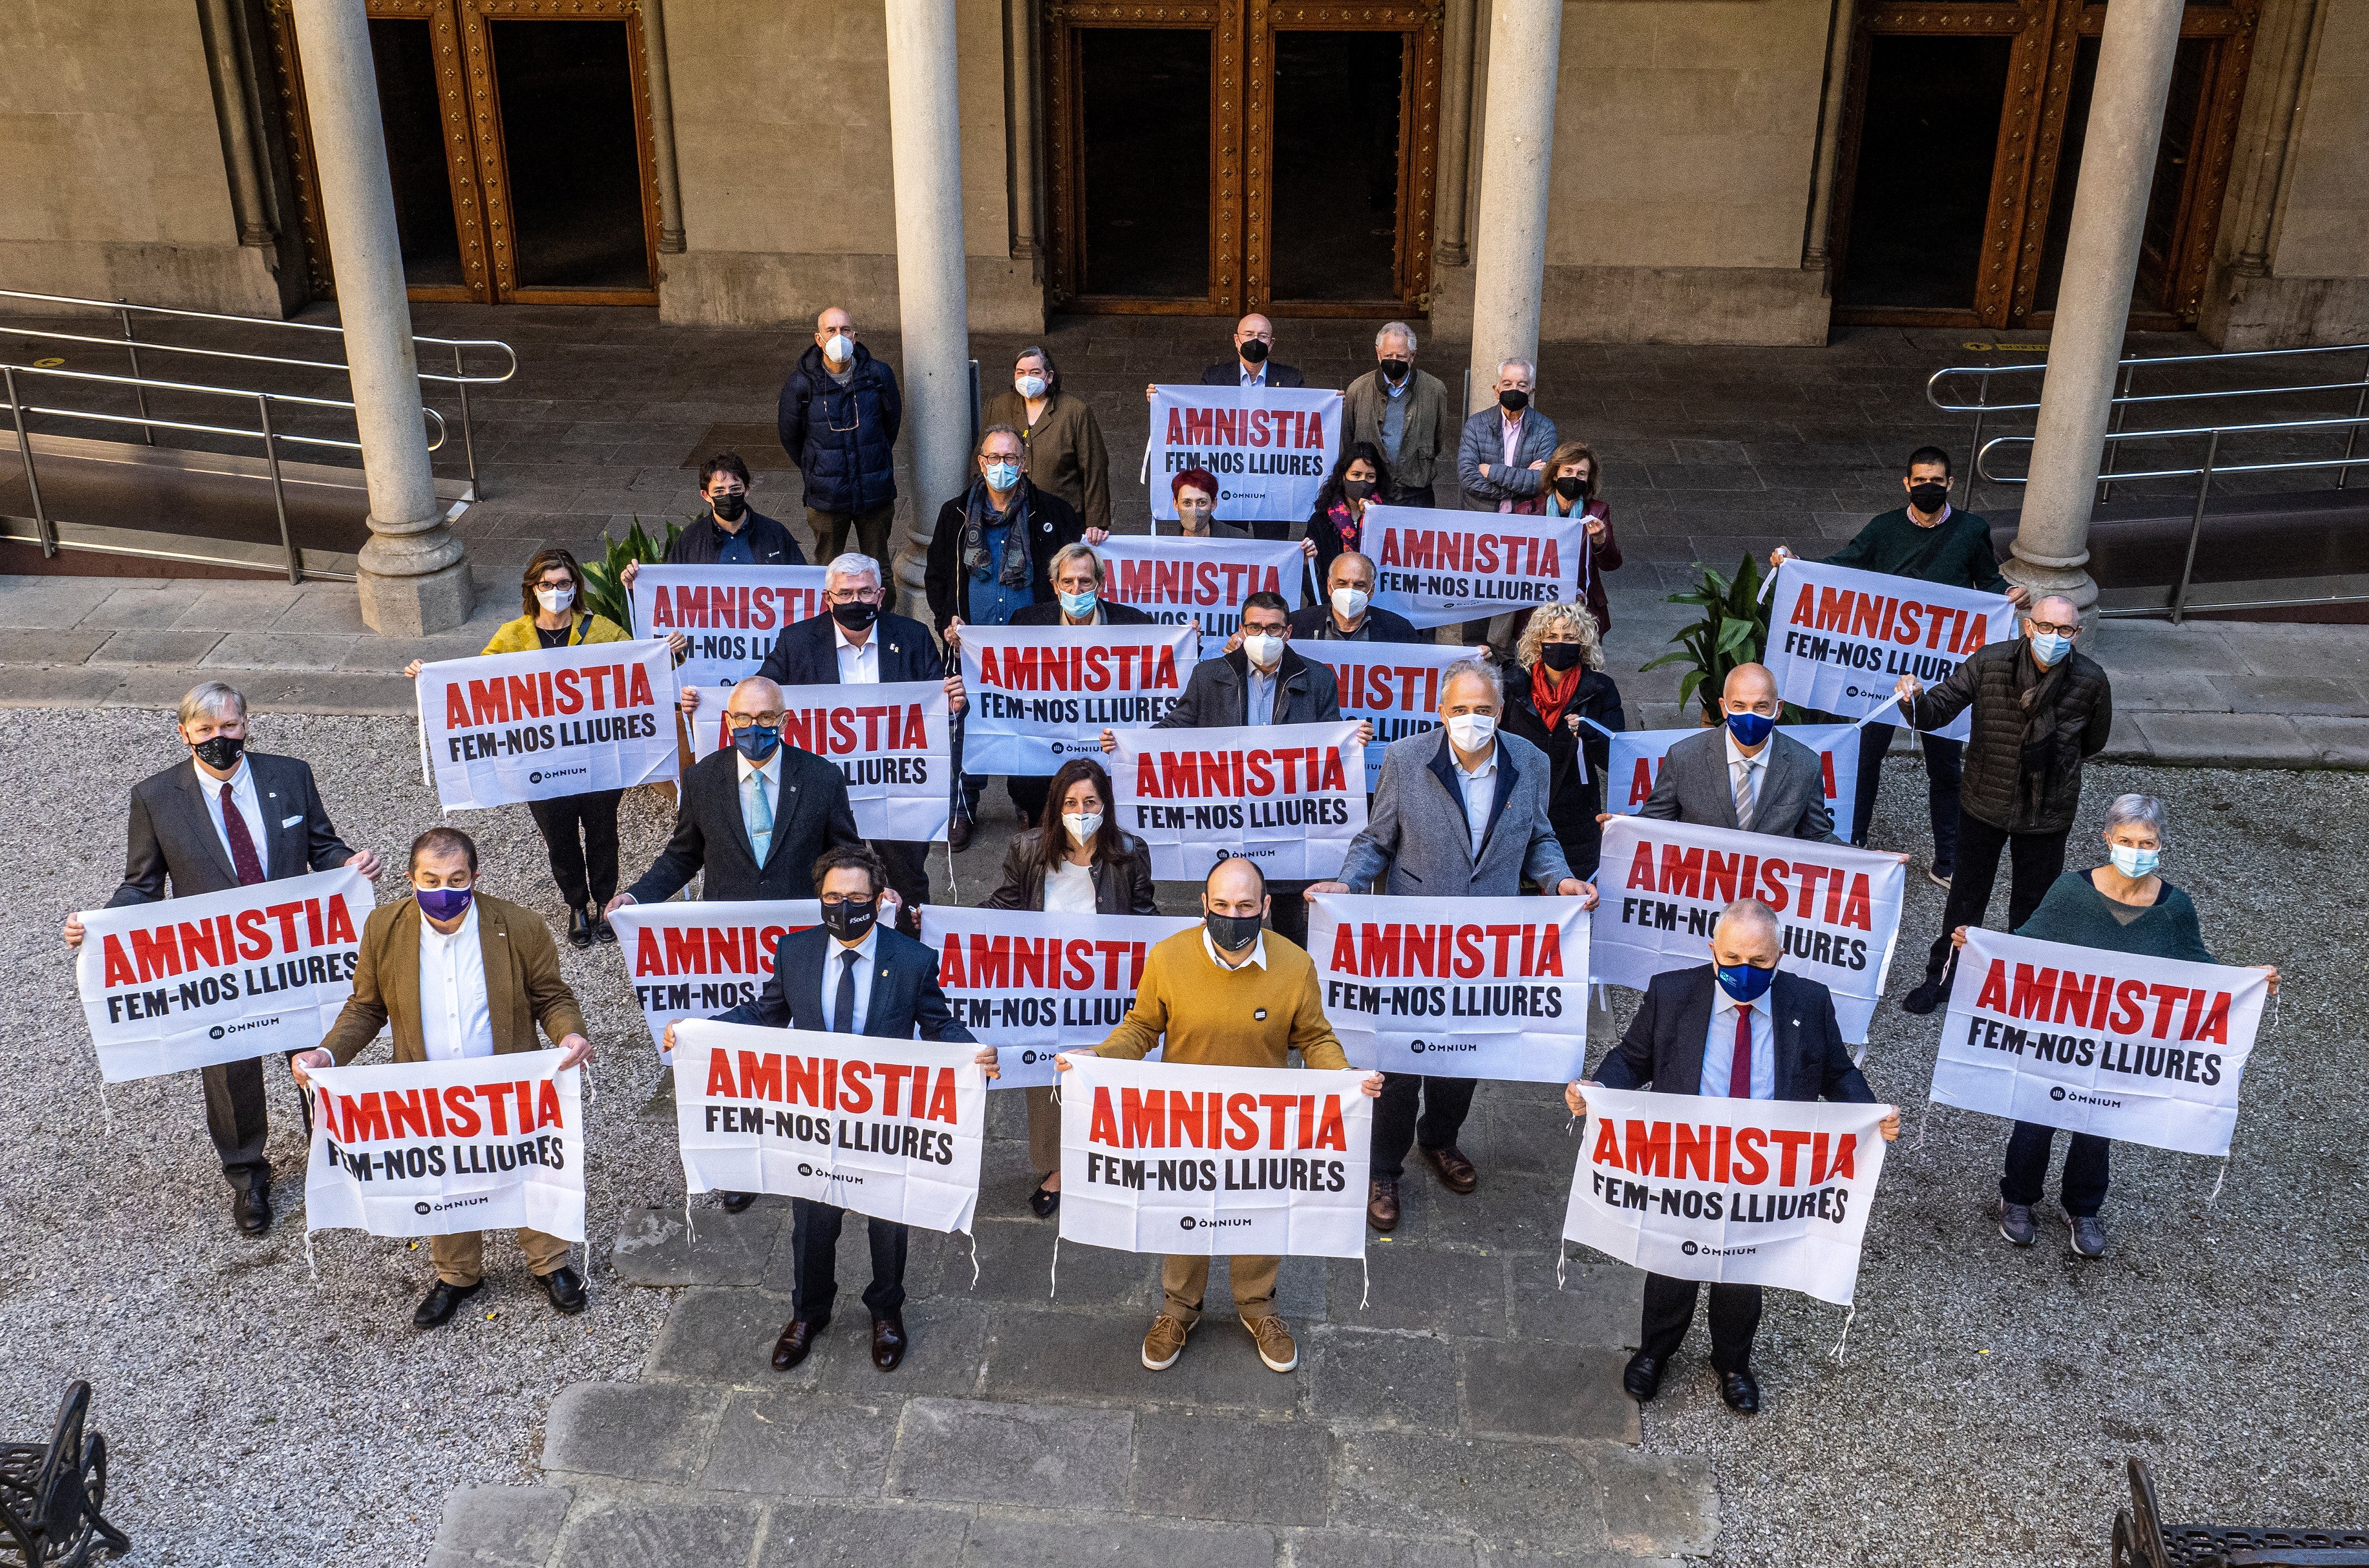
[604, 590]
[1732, 631]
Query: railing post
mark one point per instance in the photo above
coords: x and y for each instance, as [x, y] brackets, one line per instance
[279, 492]
[2360, 408]
[468, 438]
[2195, 528]
[2122, 406]
[1974, 458]
[139, 393]
[25, 451]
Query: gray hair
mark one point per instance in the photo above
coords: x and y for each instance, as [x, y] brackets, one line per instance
[1483, 668]
[1528, 368]
[1396, 329]
[1372, 571]
[1069, 553]
[853, 564]
[1052, 370]
[980, 449]
[1752, 912]
[214, 700]
[2140, 811]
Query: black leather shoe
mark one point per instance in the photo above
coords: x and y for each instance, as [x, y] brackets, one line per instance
[734, 1203]
[959, 833]
[252, 1208]
[579, 928]
[1042, 1204]
[441, 1302]
[602, 929]
[888, 1342]
[798, 1338]
[566, 1289]
[1741, 1394]
[1641, 1379]
[1925, 998]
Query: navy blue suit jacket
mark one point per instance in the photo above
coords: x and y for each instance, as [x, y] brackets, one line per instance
[906, 999]
[806, 652]
[1663, 1046]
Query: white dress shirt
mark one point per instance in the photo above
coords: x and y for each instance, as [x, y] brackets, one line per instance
[240, 790]
[1718, 1046]
[868, 960]
[454, 1019]
[1480, 787]
[1253, 377]
[1069, 891]
[1512, 431]
[756, 777]
[1258, 951]
[858, 665]
[1751, 772]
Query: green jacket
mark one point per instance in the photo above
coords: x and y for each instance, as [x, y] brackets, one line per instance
[1427, 447]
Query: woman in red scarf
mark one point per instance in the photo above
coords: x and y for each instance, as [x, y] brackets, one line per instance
[1560, 683]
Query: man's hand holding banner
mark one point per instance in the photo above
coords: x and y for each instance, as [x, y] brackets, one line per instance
[1635, 761]
[1436, 568]
[1839, 640]
[1041, 695]
[515, 726]
[732, 614]
[690, 959]
[2143, 1050]
[1270, 448]
[1290, 796]
[1033, 985]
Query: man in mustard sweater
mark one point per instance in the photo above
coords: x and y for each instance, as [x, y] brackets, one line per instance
[1228, 995]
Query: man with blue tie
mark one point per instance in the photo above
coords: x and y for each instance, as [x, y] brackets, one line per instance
[850, 975]
[1734, 1028]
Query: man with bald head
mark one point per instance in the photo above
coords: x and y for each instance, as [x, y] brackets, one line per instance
[1735, 1028]
[838, 417]
[1743, 774]
[2041, 708]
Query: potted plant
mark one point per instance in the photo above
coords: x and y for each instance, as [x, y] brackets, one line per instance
[1733, 630]
[604, 589]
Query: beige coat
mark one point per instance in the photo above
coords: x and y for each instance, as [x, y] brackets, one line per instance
[1065, 450]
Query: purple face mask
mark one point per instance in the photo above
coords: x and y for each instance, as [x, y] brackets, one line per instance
[443, 903]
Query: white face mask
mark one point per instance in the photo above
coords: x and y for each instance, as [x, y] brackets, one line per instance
[1264, 649]
[1029, 387]
[554, 600]
[1083, 826]
[840, 349]
[1472, 732]
[1349, 603]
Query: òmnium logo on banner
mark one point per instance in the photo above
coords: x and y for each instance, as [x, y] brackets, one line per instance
[1268, 447]
[515, 726]
[696, 960]
[1839, 640]
[1290, 796]
[1040, 695]
[1033, 985]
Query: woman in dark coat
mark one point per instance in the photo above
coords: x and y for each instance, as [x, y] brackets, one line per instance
[1544, 706]
[1338, 523]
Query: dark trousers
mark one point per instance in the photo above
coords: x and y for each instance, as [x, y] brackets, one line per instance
[238, 1119]
[909, 873]
[586, 872]
[1269, 530]
[814, 1233]
[2039, 860]
[1446, 1103]
[1417, 496]
[1670, 1312]
[1943, 761]
[1027, 796]
[1287, 912]
[2083, 1186]
[871, 530]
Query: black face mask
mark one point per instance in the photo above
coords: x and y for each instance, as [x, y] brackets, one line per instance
[851, 918]
[1927, 498]
[1394, 371]
[1357, 489]
[1571, 487]
[1559, 656]
[1231, 932]
[1254, 352]
[219, 753]
[729, 505]
[855, 614]
[1513, 402]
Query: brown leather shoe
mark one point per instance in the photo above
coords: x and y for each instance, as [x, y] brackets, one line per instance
[888, 1342]
[1456, 1173]
[958, 832]
[1382, 1203]
[798, 1338]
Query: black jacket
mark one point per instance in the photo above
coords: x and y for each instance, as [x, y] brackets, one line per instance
[1217, 695]
[906, 999]
[172, 838]
[1121, 888]
[2001, 785]
[1052, 523]
[842, 437]
[1572, 801]
[1229, 372]
[810, 814]
[1313, 622]
[806, 652]
[701, 544]
[1049, 613]
[1664, 1045]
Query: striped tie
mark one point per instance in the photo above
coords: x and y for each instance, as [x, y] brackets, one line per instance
[1743, 794]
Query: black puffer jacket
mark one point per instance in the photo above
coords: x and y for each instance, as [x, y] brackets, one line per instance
[2013, 787]
[842, 437]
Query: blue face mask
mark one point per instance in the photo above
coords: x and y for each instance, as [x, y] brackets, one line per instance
[1078, 605]
[1002, 476]
[2049, 647]
[2133, 863]
[1744, 982]
[1750, 729]
[443, 903]
[758, 741]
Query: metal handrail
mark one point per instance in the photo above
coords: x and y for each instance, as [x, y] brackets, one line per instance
[121, 307]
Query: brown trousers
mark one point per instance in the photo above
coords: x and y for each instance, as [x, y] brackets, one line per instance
[1186, 1279]
[1044, 1131]
[460, 1258]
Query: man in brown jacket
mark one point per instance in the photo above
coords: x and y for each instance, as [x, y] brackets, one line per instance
[1404, 413]
[460, 975]
[1228, 995]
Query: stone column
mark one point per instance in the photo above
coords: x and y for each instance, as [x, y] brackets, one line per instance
[933, 299]
[413, 578]
[1020, 54]
[1509, 241]
[654, 57]
[1455, 132]
[236, 115]
[2093, 306]
[1841, 25]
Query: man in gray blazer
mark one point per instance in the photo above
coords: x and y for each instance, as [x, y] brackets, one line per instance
[225, 819]
[1743, 774]
[1461, 813]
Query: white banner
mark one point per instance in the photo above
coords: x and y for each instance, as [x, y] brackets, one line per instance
[430, 1147]
[1394, 685]
[891, 740]
[1439, 567]
[505, 728]
[1739, 1192]
[1201, 582]
[1456, 988]
[690, 959]
[1270, 449]
[1290, 796]
[2145, 1050]
[1041, 695]
[732, 614]
[1033, 985]
[1267, 1162]
[1839, 640]
[1635, 761]
[875, 1126]
[220, 977]
[1664, 885]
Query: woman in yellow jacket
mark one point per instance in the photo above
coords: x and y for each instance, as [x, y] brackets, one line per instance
[586, 870]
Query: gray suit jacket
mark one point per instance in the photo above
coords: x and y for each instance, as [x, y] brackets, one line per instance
[1418, 836]
[172, 833]
[1694, 787]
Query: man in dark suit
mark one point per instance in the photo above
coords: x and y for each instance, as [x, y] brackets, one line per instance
[1734, 1028]
[227, 819]
[1253, 341]
[1743, 774]
[849, 977]
[1349, 613]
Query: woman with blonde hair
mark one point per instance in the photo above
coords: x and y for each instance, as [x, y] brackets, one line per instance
[1560, 683]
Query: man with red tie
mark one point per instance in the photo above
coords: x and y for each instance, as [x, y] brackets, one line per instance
[228, 818]
[1733, 1028]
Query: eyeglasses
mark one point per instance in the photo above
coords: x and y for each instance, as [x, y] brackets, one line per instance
[832, 900]
[556, 582]
[770, 719]
[868, 594]
[2045, 629]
